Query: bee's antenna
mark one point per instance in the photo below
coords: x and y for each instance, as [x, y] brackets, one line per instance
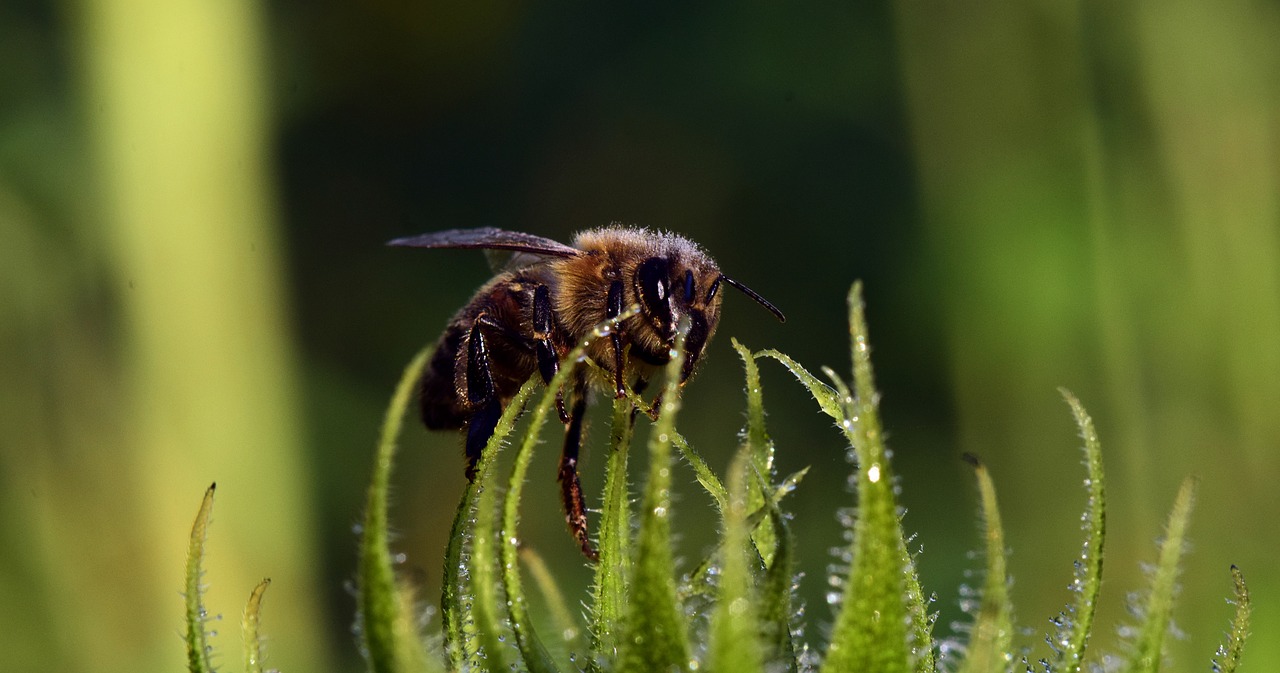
[752, 293]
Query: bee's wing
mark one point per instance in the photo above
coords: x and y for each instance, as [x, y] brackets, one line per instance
[488, 238]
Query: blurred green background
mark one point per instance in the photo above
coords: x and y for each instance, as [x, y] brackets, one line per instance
[193, 287]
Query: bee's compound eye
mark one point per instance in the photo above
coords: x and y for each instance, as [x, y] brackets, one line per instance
[715, 285]
[688, 286]
[655, 288]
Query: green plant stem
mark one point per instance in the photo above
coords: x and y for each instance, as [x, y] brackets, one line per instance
[490, 621]
[655, 637]
[534, 654]
[565, 623]
[198, 649]
[991, 640]
[1158, 610]
[1073, 637]
[614, 568]
[735, 630]
[378, 596]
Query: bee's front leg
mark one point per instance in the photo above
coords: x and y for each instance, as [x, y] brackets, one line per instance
[613, 309]
[575, 509]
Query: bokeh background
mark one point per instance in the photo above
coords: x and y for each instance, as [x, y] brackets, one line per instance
[194, 197]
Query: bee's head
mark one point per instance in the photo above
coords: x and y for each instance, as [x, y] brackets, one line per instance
[675, 280]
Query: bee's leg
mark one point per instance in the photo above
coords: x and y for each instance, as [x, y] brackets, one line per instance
[575, 509]
[482, 396]
[548, 359]
[652, 410]
[638, 389]
[613, 309]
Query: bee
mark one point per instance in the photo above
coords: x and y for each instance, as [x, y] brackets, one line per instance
[549, 297]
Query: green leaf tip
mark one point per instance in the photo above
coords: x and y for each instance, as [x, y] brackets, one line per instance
[197, 638]
[756, 434]
[249, 627]
[756, 440]
[882, 624]
[1076, 622]
[1228, 655]
[1157, 612]
[828, 398]
[991, 639]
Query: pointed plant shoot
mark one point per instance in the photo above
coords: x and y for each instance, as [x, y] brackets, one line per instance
[197, 638]
[1076, 623]
[1228, 657]
[1157, 611]
[881, 625]
[639, 617]
[654, 634]
[249, 627]
[735, 629]
[759, 445]
[991, 639]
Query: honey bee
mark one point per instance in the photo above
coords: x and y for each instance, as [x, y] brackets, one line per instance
[549, 297]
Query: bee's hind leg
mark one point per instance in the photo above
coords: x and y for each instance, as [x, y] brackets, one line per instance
[548, 358]
[482, 396]
[575, 509]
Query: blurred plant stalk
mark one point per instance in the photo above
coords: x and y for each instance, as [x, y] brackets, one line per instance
[178, 120]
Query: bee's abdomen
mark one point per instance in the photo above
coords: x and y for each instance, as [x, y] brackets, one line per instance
[441, 407]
